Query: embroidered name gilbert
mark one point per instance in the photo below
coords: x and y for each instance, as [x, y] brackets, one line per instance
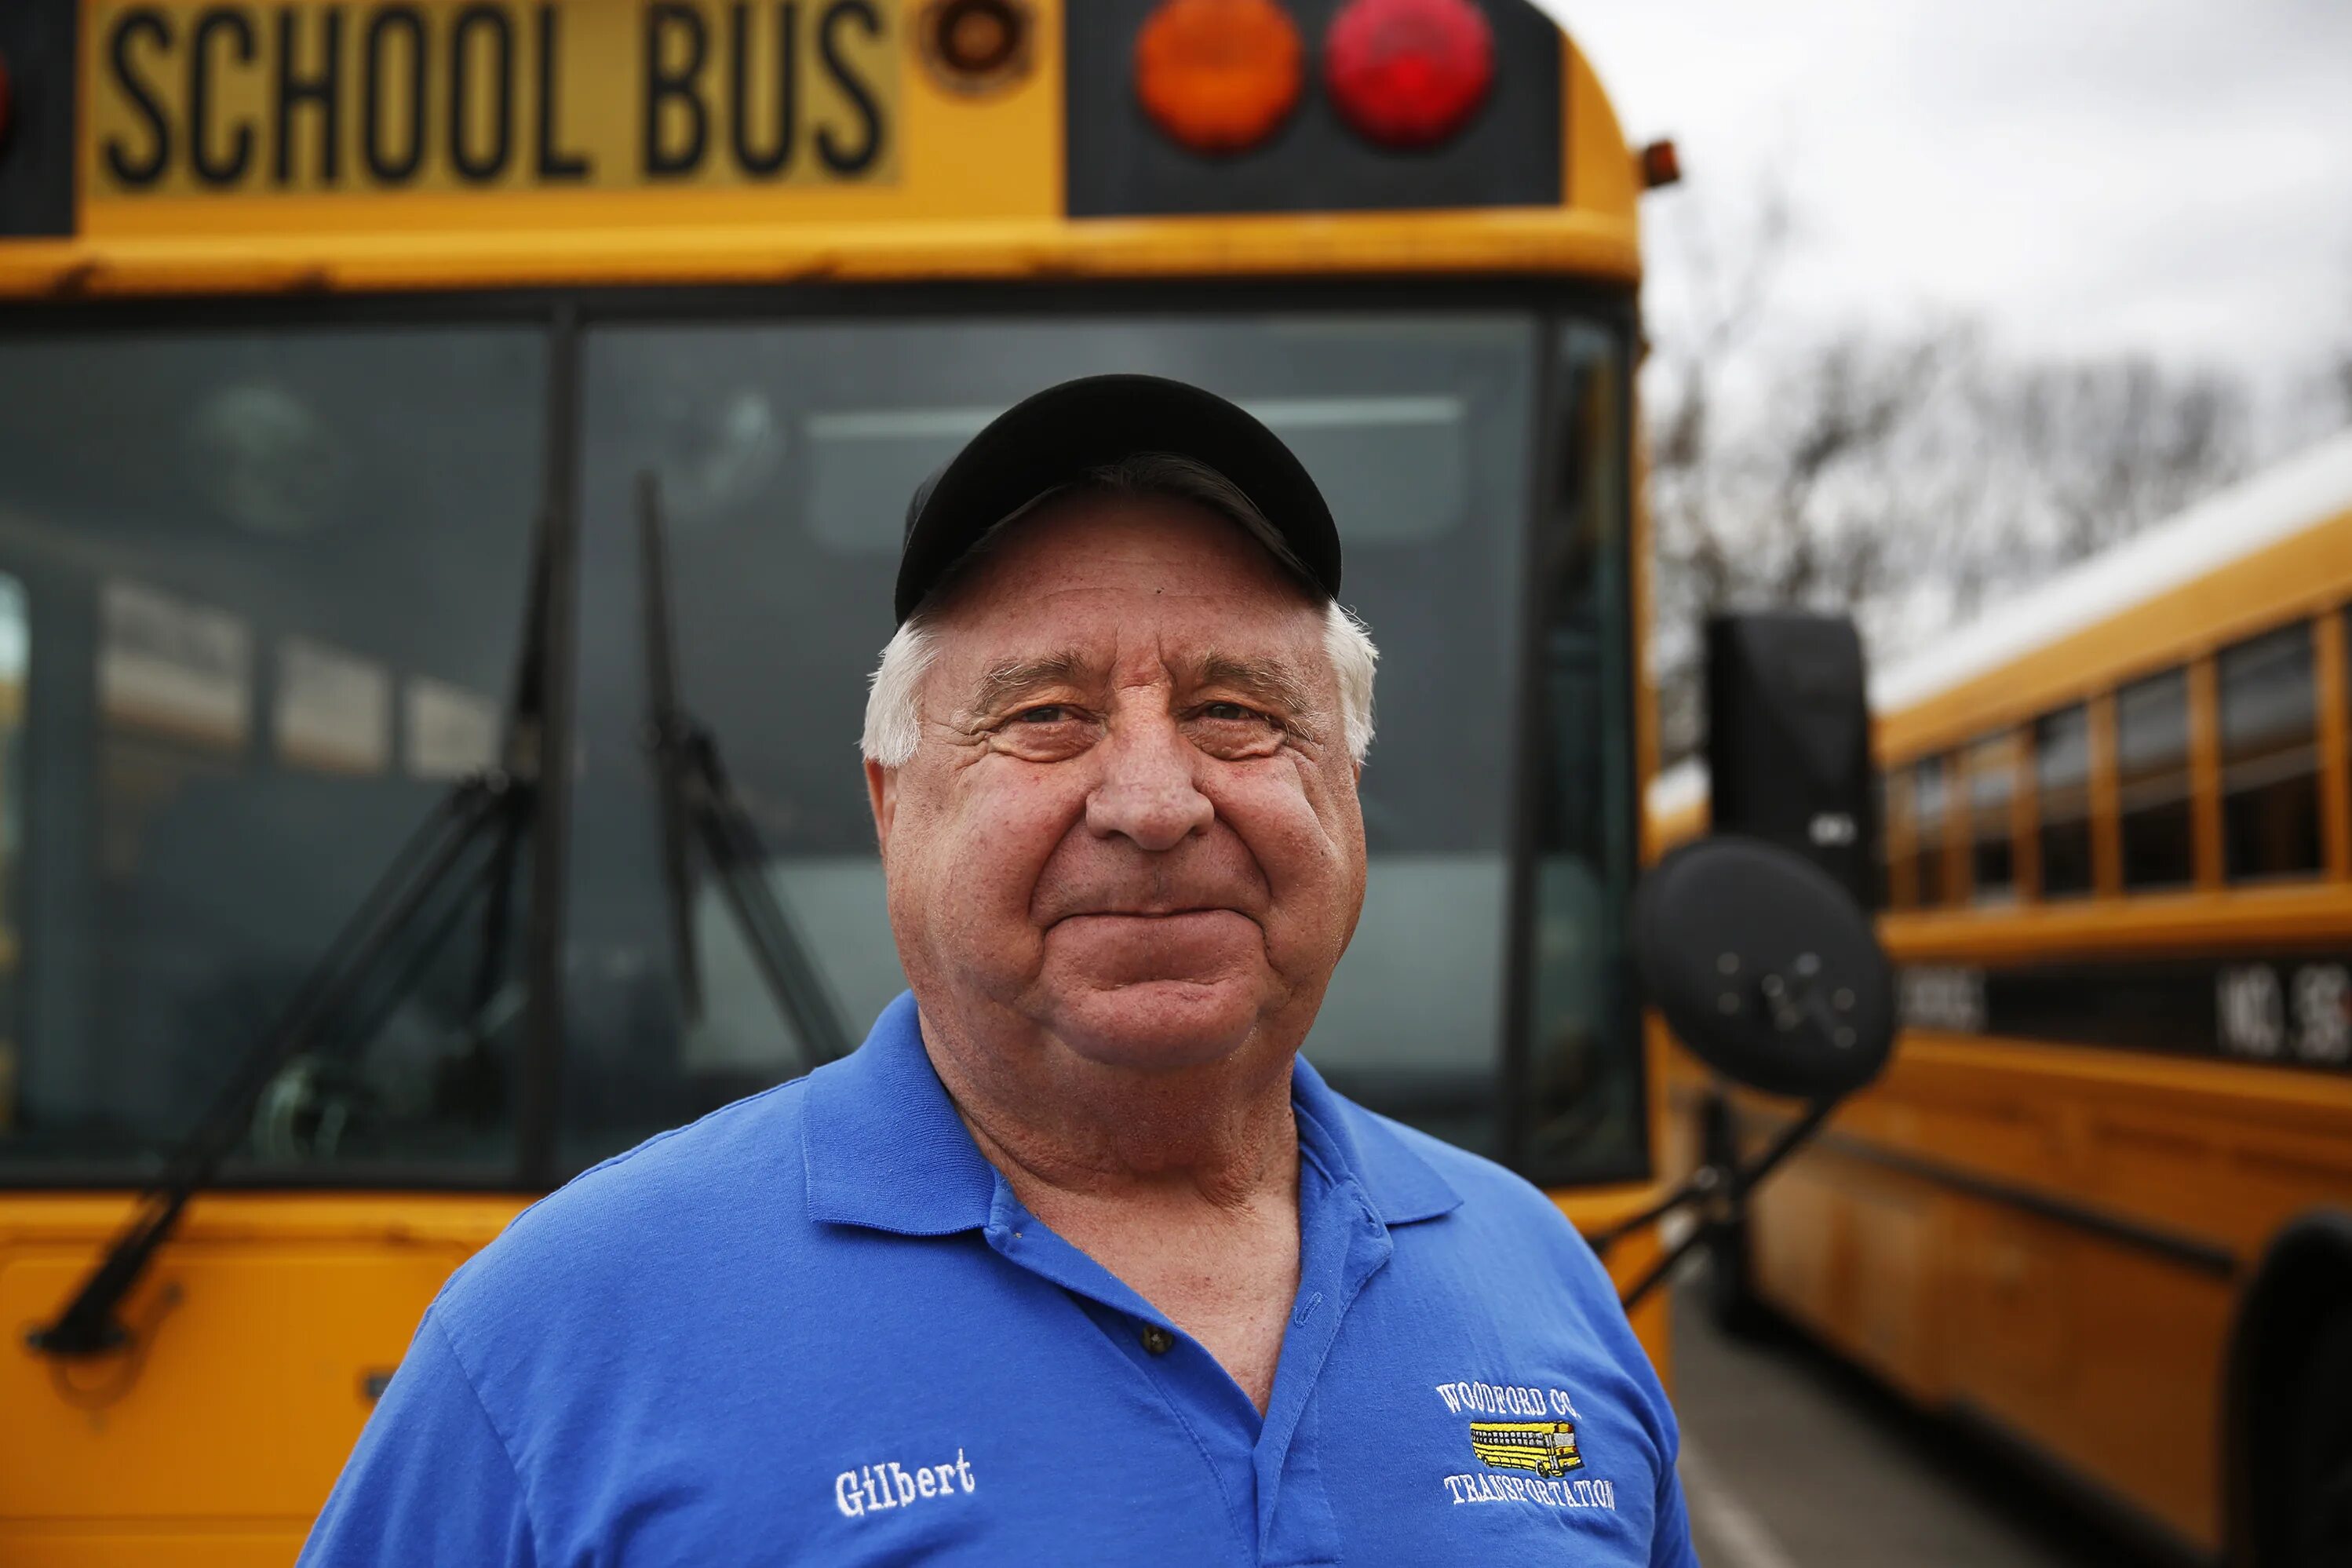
[870, 1488]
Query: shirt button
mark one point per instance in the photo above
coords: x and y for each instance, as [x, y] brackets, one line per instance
[1157, 1339]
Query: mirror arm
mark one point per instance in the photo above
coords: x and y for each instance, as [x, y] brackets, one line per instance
[1664, 1266]
[1699, 1186]
[1733, 1183]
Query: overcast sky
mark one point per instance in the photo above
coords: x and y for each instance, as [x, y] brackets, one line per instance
[2085, 175]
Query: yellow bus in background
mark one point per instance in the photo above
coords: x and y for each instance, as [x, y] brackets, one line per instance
[335, 332]
[2101, 1203]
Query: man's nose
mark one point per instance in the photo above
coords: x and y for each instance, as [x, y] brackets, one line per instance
[1148, 791]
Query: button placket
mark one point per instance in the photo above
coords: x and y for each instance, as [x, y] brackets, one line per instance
[1217, 1419]
[1342, 1244]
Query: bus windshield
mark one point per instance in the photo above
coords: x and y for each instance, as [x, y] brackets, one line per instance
[328, 557]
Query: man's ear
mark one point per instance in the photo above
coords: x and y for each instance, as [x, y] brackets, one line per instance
[882, 795]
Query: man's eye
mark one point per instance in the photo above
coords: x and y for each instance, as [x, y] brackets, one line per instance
[1229, 712]
[1044, 713]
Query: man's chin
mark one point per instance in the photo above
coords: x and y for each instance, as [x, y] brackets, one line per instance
[1157, 1025]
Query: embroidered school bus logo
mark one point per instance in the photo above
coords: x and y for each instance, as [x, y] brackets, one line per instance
[1546, 1447]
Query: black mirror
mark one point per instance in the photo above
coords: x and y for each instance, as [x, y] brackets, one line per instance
[1788, 738]
[1765, 967]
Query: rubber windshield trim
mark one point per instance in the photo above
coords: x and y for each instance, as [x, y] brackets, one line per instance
[1625, 1022]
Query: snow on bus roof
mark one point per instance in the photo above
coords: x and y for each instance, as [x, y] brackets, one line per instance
[2281, 501]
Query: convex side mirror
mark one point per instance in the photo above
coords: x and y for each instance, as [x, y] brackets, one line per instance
[1765, 967]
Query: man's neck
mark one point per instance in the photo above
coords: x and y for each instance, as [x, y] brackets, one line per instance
[1066, 1130]
[1184, 1184]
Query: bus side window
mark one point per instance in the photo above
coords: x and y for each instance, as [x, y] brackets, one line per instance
[1899, 837]
[1992, 787]
[2153, 781]
[2339, 768]
[2061, 777]
[1882, 849]
[1927, 831]
[15, 625]
[2270, 757]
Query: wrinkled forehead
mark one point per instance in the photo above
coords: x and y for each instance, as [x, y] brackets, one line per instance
[1116, 575]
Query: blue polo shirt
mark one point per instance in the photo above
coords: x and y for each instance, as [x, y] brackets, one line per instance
[816, 1327]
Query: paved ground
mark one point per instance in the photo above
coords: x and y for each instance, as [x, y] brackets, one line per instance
[1790, 1461]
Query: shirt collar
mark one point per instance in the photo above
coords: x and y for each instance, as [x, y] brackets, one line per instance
[882, 1143]
[1401, 1187]
[883, 1147]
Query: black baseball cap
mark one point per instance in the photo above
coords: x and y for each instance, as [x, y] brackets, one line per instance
[1047, 440]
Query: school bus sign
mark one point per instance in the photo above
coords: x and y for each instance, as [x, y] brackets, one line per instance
[185, 147]
[380, 97]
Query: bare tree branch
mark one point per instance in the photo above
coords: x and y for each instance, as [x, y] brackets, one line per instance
[1906, 476]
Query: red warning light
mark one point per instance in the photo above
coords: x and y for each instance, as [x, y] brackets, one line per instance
[3, 102]
[1409, 73]
[1219, 75]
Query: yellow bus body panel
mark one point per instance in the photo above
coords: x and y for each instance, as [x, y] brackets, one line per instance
[2097, 1350]
[262, 1325]
[260, 1328]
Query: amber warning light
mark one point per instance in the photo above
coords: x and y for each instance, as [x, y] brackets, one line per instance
[1409, 73]
[1218, 75]
[976, 46]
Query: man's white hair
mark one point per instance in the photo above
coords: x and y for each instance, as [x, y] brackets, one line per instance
[893, 715]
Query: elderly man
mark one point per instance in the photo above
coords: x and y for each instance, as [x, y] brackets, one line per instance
[1074, 1261]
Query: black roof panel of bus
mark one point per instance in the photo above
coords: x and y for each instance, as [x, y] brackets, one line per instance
[37, 137]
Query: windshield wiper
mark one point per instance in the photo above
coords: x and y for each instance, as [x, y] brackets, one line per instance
[698, 804]
[488, 802]
[433, 879]
[428, 886]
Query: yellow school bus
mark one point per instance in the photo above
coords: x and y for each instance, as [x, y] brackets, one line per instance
[1546, 1447]
[342, 342]
[2101, 1204]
